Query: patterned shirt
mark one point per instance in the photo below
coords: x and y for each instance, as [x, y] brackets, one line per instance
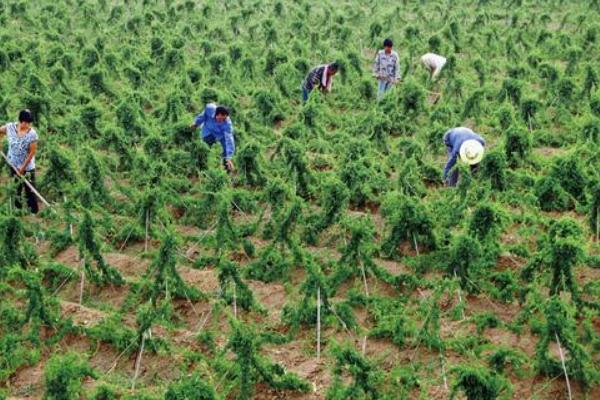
[314, 77]
[18, 146]
[387, 66]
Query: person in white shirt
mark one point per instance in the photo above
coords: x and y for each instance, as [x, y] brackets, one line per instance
[434, 63]
[386, 68]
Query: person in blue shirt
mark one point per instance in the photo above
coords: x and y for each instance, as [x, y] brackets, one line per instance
[217, 126]
[466, 144]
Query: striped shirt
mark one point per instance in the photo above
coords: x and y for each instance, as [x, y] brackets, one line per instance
[314, 77]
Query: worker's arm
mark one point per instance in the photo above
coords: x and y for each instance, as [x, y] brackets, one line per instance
[452, 156]
[3, 130]
[32, 151]
[199, 120]
[228, 144]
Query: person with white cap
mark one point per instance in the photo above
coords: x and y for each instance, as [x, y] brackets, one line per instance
[434, 63]
[217, 127]
[464, 143]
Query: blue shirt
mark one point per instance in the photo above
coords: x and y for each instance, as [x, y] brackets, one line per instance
[18, 146]
[216, 131]
[453, 139]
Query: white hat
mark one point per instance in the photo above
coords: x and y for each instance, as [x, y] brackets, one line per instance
[471, 151]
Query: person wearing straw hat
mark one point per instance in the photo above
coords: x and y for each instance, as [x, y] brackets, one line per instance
[22, 146]
[434, 63]
[464, 143]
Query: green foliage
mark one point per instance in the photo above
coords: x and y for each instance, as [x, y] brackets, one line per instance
[232, 285]
[366, 379]
[11, 245]
[517, 146]
[465, 261]
[408, 220]
[551, 196]
[560, 326]
[477, 383]
[164, 282]
[493, 167]
[63, 375]
[89, 250]
[251, 368]
[334, 198]
[192, 387]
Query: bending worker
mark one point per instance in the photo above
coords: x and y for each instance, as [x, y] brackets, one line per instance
[217, 126]
[468, 145]
[320, 76]
[434, 63]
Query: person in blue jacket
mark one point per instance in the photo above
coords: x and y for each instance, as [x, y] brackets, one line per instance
[466, 144]
[217, 126]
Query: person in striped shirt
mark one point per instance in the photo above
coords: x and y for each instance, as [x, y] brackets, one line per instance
[386, 68]
[320, 76]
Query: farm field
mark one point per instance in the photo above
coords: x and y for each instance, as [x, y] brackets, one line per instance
[333, 263]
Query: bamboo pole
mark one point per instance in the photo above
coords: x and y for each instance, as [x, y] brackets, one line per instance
[562, 360]
[364, 276]
[146, 237]
[462, 311]
[234, 300]
[415, 243]
[29, 185]
[138, 361]
[318, 323]
[82, 282]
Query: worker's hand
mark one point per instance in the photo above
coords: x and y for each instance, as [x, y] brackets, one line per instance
[229, 166]
[21, 171]
[193, 126]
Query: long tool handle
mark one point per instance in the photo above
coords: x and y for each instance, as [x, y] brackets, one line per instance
[29, 185]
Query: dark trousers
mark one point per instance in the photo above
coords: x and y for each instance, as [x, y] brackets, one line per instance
[453, 176]
[210, 140]
[32, 201]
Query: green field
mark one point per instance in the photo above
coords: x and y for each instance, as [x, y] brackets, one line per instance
[155, 274]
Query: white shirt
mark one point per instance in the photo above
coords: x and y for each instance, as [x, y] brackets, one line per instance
[433, 61]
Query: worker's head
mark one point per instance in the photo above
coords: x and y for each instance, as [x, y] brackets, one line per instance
[221, 113]
[333, 69]
[471, 152]
[387, 45]
[25, 118]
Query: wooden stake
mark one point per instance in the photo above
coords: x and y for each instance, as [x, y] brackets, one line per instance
[444, 372]
[70, 224]
[415, 243]
[462, 311]
[29, 185]
[562, 360]
[318, 323]
[82, 282]
[234, 301]
[597, 224]
[147, 223]
[364, 276]
[138, 361]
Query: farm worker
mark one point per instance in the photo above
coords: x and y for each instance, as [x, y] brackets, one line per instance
[466, 144]
[386, 68]
[434, 63]
[217, 126]
[22, 146]
[320, 76]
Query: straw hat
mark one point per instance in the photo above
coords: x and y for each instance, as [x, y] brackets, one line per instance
[471, 152]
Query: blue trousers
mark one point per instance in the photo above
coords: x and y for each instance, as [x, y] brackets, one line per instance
[305, 94]
[382, 87]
